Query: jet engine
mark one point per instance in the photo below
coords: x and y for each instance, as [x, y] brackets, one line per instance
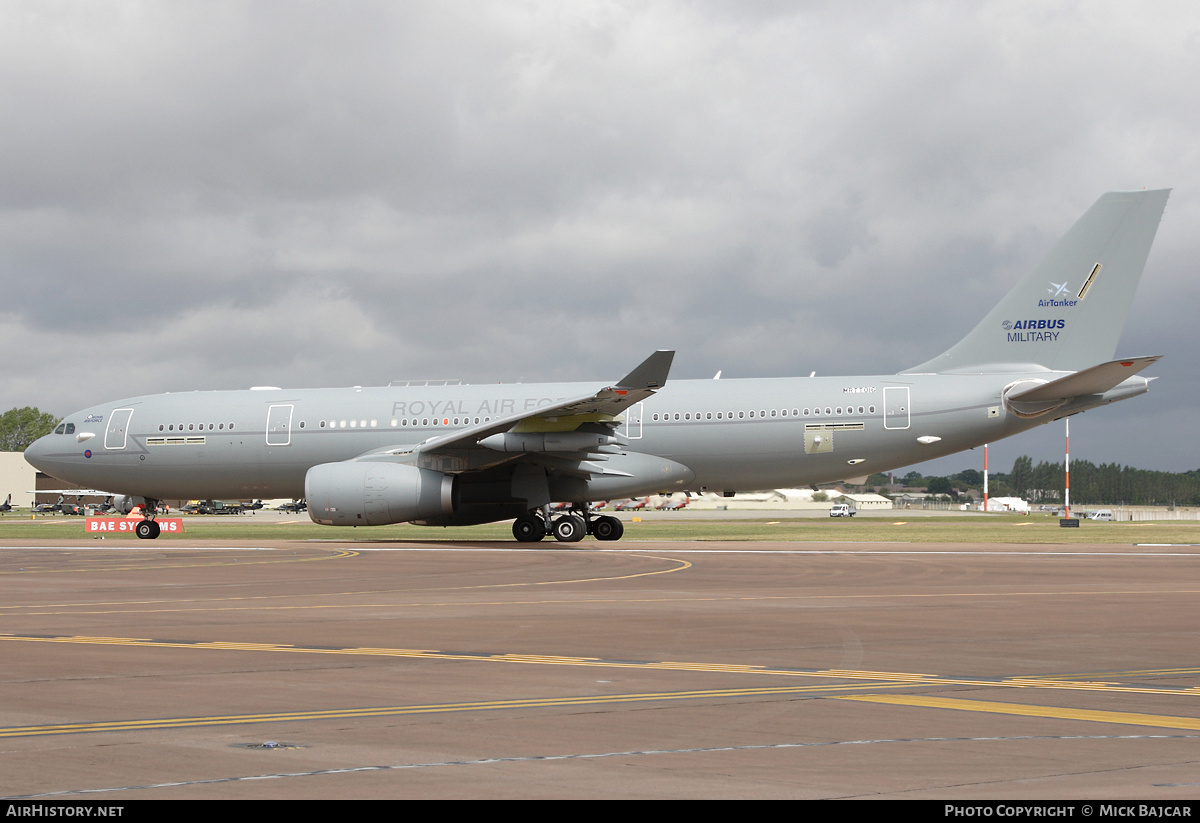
[125, 503]
[375, 494]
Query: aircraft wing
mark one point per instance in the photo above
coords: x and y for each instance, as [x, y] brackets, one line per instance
[550, 428]
[1096, 380]
[73, 492]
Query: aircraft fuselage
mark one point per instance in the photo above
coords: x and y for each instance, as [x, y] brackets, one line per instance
[733, 435]
[453, 454]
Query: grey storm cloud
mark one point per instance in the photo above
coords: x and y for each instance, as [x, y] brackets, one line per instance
[225, 194]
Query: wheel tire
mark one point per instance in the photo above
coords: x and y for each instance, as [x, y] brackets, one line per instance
[528, 529]
[608, 528]
[569, 529]
[147, 530]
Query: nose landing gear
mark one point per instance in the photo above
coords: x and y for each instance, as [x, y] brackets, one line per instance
[148, 529]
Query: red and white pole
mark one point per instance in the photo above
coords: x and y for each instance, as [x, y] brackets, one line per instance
[985, 472]
[1067, 464]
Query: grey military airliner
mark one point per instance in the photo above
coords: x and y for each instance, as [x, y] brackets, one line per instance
[445, 454]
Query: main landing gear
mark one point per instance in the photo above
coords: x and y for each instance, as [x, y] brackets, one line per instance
[569, 527]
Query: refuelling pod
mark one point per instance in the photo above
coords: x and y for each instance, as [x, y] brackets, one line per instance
[375, 494]
[628, 474]
[546, 441]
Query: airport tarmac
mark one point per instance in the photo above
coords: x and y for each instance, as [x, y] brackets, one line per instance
[331, 669]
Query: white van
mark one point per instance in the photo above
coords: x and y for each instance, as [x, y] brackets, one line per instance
[1100, 514]
[841, 510]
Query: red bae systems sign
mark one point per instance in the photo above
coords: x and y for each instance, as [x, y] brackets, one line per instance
[127, 525]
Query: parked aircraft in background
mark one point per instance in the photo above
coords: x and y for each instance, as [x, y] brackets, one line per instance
[6, 506]
[215, 507]
[78, 507]
[633, 505]
[674, 503]
[46, 508]
[448, 455]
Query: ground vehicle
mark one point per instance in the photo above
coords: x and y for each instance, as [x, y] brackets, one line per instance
[842, 510]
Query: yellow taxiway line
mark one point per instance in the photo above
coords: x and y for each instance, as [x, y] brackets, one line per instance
[1163, 721]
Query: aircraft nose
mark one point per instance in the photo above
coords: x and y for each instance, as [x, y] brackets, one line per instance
[35, 452]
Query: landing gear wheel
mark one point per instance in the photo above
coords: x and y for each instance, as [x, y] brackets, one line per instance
[529, 528]
[147, 530]
[608, 528]
[569, 529]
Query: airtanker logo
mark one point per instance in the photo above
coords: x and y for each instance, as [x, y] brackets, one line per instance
[1057, 291]
[1034, 331]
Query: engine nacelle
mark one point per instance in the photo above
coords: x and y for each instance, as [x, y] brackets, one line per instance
[124, 503]
[375, 494]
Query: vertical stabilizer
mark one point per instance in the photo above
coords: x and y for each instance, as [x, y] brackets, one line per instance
[1068, 312]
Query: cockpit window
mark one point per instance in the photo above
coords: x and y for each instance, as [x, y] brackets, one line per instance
[70, 428]
[61, 427]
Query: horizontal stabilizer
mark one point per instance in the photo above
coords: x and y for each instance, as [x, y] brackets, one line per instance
[1096, 380]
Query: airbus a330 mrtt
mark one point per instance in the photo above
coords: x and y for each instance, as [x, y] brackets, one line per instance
[448, 454]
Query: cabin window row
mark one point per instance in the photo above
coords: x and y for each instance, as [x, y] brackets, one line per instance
[426, 422]
[404, 422]
[830, 411]
[171, 427]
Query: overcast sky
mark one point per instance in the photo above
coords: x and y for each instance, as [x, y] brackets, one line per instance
[216, 195]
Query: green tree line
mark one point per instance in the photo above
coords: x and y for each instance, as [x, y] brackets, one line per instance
[20, 427]
[1106, 483]
[1109, 483]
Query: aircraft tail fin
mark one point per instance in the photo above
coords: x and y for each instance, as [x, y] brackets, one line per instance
[1068, 312]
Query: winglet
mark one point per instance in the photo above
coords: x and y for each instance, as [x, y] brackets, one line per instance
[639, 384]
[651, 374]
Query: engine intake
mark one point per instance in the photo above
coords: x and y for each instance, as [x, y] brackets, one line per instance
[125, 503]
